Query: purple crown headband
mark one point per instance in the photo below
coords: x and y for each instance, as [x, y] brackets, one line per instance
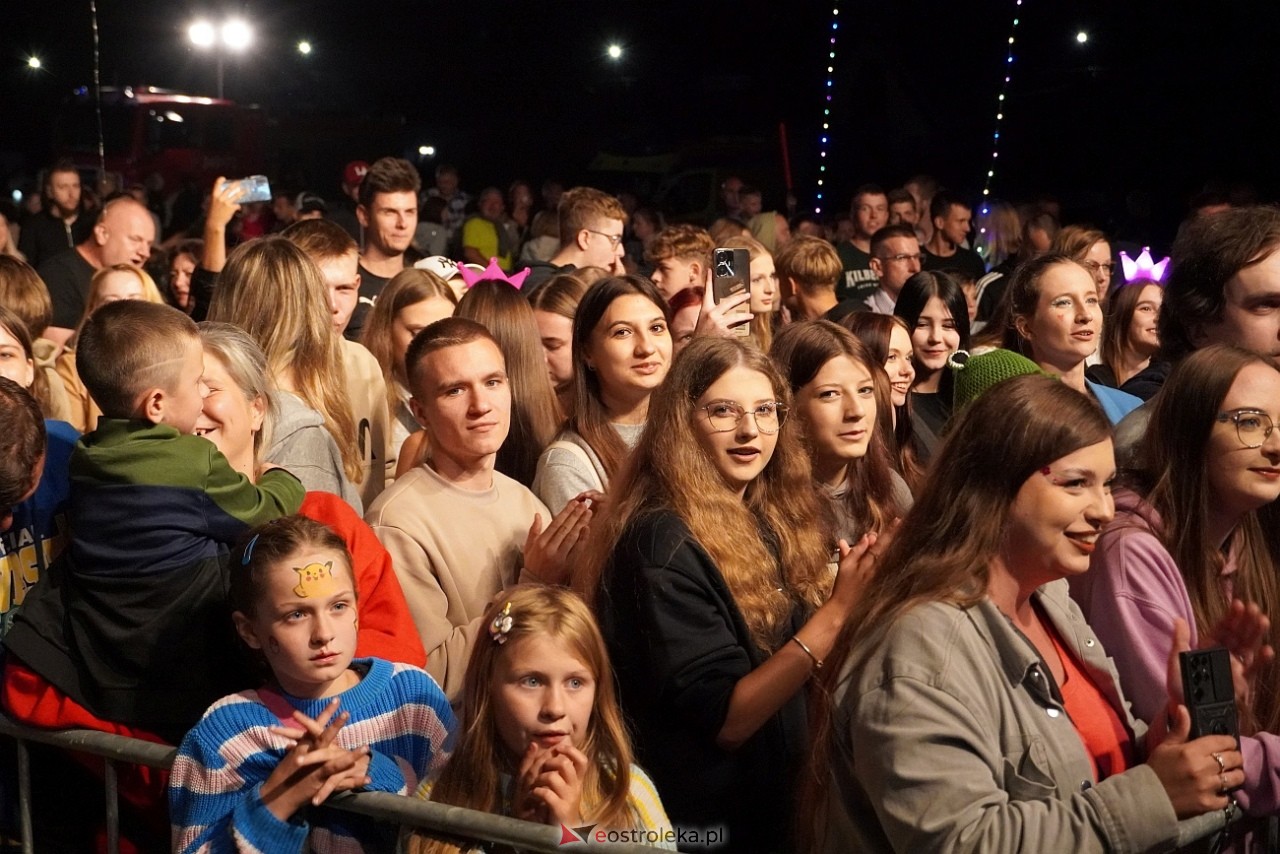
[1142, 268]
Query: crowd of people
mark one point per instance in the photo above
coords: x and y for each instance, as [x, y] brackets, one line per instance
[507, 508]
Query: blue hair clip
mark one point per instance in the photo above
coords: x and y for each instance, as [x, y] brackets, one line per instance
[248, 551]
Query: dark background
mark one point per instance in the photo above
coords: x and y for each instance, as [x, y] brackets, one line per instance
[1163, 98]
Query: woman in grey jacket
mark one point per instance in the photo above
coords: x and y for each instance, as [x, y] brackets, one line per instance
[973, 709]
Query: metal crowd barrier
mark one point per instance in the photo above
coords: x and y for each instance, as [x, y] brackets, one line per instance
[437, 819]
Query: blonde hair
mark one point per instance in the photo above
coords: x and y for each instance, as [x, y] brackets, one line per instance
[683, 241]
[271, 289]
[670, 469]
[93, 302]
[23, 292]
[761, 324]
[408, 287]
[810, 262]
[472, 777]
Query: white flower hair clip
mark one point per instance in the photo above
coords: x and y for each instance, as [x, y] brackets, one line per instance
[501, 625]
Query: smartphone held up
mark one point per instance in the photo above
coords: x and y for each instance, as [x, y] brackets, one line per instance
[730, 275]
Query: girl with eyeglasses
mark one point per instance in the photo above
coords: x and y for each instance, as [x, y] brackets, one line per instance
[1187, 544]
[709, 576]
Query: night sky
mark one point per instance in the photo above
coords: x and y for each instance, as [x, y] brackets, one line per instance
[1156, 101]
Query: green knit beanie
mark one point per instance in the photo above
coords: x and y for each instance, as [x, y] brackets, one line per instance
[974, 373]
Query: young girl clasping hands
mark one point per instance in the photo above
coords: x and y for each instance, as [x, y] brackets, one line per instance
[251, 769]
[542, 737]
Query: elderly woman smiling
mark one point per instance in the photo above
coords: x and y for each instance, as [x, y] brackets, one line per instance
[237, 413]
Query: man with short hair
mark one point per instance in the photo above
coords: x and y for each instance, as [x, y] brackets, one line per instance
[902, 207]
[895, 257]
[123, 234]
[870, 210]
[456, 201]
[334, 252]
[730, 201]
[591, 229]
[1223, 287]
[945, 250]
[681, 256]
[458, 530]
[388, 214]
[62, 223]
[809, 267]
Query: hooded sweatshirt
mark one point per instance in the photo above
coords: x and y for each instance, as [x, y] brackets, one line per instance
[299, 441]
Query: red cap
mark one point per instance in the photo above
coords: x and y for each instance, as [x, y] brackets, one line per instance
[354, 173]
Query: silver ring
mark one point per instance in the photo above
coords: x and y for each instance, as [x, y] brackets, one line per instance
[1222, 784]
[1222, 766]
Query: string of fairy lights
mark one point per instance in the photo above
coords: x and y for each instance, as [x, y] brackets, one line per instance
[1000, 107]
[824, 138]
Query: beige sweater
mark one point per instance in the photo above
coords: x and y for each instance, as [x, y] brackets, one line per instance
[453, 550]
[367, 391]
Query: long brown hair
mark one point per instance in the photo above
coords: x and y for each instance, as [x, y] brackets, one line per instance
[273, 291]
[1173, 474]
[670, 469]
[535, 412]
[472, 776]
[875, 331]
[590, 419]
[406, 288]
[944, 548]
[800, 351]
[1121, 306]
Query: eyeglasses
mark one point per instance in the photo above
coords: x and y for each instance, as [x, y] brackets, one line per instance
[725, 415]
[1094, 267]
[1252, 427]
[902, 256]
[614, 239]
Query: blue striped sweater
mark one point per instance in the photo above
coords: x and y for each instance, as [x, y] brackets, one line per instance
[214, 792]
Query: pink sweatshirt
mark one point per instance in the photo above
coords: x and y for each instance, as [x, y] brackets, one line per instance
[1131, 595]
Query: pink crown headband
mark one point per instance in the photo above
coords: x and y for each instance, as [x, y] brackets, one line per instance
[493, 271]
[1142, 268]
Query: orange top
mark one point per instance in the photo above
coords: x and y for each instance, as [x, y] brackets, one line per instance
[1106, 738]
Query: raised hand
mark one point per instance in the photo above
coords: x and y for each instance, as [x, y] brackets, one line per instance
[550, 554]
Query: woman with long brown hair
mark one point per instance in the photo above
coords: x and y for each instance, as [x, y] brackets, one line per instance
[889, 340]
[621, 354]
[710, 579]
[838, 389]
[969, 704]
[411, 301]
[1188, 541]
[535, 413]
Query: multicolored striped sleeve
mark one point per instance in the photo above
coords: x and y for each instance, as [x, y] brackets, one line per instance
[215, 802]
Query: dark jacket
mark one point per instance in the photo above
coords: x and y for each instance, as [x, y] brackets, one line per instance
[132, 622]
[679, 645]
[45, 235]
